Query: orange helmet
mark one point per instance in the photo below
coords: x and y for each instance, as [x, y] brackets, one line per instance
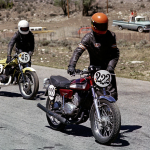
[99, 23]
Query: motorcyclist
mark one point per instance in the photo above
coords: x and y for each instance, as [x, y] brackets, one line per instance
[101, 46]
[24, 40]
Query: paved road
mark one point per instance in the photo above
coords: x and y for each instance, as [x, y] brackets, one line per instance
[23, 126]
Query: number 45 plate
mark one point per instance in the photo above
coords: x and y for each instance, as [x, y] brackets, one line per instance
[102, 78]
[24, 57]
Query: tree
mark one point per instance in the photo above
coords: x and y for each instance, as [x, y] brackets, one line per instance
[62, 4]
[86, 6]
[6, 3]
[2, 4]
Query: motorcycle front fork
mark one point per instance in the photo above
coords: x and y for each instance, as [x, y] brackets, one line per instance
[95, 99]
[21, 72]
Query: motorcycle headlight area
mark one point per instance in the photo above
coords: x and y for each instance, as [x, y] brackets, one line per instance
[51, 92]
[102, 78]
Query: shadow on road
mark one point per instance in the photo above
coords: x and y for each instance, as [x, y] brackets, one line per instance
[80, 130]
[40, 95]
[120, 141]
[9, 94]
[77, 130]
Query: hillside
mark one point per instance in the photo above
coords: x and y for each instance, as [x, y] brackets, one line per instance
[43, 13]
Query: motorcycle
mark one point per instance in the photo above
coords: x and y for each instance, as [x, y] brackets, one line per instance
[73, 102]
[17, 72]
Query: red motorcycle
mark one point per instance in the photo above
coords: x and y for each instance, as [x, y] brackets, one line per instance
[73, 102]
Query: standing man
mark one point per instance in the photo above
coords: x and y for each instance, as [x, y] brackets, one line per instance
[101, 46]
[24, 40]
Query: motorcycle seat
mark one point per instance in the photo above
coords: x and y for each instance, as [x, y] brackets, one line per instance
[60, 82]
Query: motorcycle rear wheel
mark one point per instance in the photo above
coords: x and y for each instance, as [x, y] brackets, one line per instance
[53, 122]
[107, 130]
[29, 89]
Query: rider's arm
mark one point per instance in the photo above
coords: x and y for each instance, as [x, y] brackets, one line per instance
[32, 43]
[114, 53]
[11, 44]
[79, 50]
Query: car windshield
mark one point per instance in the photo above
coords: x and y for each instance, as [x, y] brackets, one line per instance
[140, 19]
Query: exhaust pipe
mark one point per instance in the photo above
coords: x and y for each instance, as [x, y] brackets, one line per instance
[55, 115]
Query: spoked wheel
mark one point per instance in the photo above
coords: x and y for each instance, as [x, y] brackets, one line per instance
[107, 129]
[53, 122]
[30, 87]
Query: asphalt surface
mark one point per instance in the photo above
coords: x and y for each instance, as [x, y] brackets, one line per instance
[23, 126]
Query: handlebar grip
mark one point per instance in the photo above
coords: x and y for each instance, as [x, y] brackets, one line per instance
[77, 70]
[81, 72]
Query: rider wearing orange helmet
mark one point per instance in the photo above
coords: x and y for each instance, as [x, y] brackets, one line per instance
[101, 46]
[99, 23]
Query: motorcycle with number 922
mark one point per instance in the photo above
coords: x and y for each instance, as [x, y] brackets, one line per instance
[17, 72]
[74, 101]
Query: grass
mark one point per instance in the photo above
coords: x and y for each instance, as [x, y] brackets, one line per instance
[58, 56]
[140, 70]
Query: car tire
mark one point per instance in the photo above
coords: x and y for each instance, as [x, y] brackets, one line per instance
[140, 29]
[120, 28]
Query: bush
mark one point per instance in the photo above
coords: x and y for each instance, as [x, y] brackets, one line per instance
[64, 43]
[22, 17]
[142, 6]
[29, 8]
[34, 7]
[5, 40]
[6, 4]
[143, 42]
[122, 43]
[44, 42]
[53, 55]
[147, 46]
[7, 14]
[19, 10]
[32, 13]
[110, 6]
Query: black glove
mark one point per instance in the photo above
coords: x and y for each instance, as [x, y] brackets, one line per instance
[30, 53]
[8, 59]
[71, 70]
[110, 69]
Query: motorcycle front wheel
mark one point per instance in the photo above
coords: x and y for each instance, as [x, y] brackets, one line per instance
[30, 86]
[53, 122]
[107, 129]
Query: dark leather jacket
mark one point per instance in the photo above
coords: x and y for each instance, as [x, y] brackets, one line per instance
[23, 42]
[102, 50]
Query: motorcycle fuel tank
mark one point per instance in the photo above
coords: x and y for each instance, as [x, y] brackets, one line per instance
[80, 84]
[66, 92]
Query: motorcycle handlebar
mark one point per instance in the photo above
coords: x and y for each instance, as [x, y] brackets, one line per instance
[81, 72]
[15, 56]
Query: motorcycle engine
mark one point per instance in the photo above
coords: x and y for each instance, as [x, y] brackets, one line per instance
[70, 108]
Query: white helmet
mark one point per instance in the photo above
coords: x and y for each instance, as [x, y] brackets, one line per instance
[23, 27]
